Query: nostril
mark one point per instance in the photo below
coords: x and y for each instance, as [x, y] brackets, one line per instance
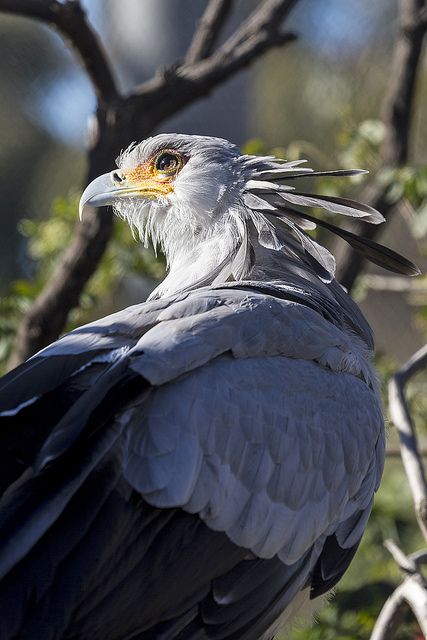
[117, 177]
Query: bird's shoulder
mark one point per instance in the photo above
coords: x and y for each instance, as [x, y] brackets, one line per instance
[164, 338]
[230, 382]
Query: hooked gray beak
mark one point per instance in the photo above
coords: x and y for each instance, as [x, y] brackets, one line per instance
[108, 188]
[99, 193]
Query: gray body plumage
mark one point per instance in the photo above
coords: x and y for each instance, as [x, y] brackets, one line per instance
[186, 467]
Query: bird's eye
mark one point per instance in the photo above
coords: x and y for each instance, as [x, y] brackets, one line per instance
[167, 162]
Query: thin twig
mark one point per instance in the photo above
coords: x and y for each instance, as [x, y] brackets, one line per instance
[401, 417]
[162, 96]
[404, 562]
[48, 315]
[70, 19]
[411, 592]
[207, 33]
[394, 452]
[397, 116]
[398, 284]
[267, 18]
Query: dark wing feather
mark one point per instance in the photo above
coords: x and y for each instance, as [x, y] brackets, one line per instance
[83, 555]
[331, 566]
[280, 175]
[375, 252]
[371, 250]
[109, 565]
[38, 376]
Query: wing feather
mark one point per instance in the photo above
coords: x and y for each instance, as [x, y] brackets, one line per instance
[228, 404]
[271, 492]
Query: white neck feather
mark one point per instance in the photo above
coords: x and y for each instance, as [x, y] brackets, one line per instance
[235, 245]
[196, 255]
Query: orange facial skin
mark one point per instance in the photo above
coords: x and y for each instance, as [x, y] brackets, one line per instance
[152, 181]
[141, 172]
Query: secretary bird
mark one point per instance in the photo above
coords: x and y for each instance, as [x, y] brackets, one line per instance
[201, 465]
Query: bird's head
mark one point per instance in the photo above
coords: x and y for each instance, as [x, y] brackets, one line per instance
[196, 176]
[183, 193]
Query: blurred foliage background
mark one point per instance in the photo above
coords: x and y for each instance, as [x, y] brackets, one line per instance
[320, 99]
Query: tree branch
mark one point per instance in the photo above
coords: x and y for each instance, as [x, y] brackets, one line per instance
[162, 96]
[401, 417]
[69, 18]
[397, 116]
[395, 283]
[411, 592]
[209, 29]
[120, 120]
[48, 315]
[404, 562]
[267, 18]
[394, 452]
